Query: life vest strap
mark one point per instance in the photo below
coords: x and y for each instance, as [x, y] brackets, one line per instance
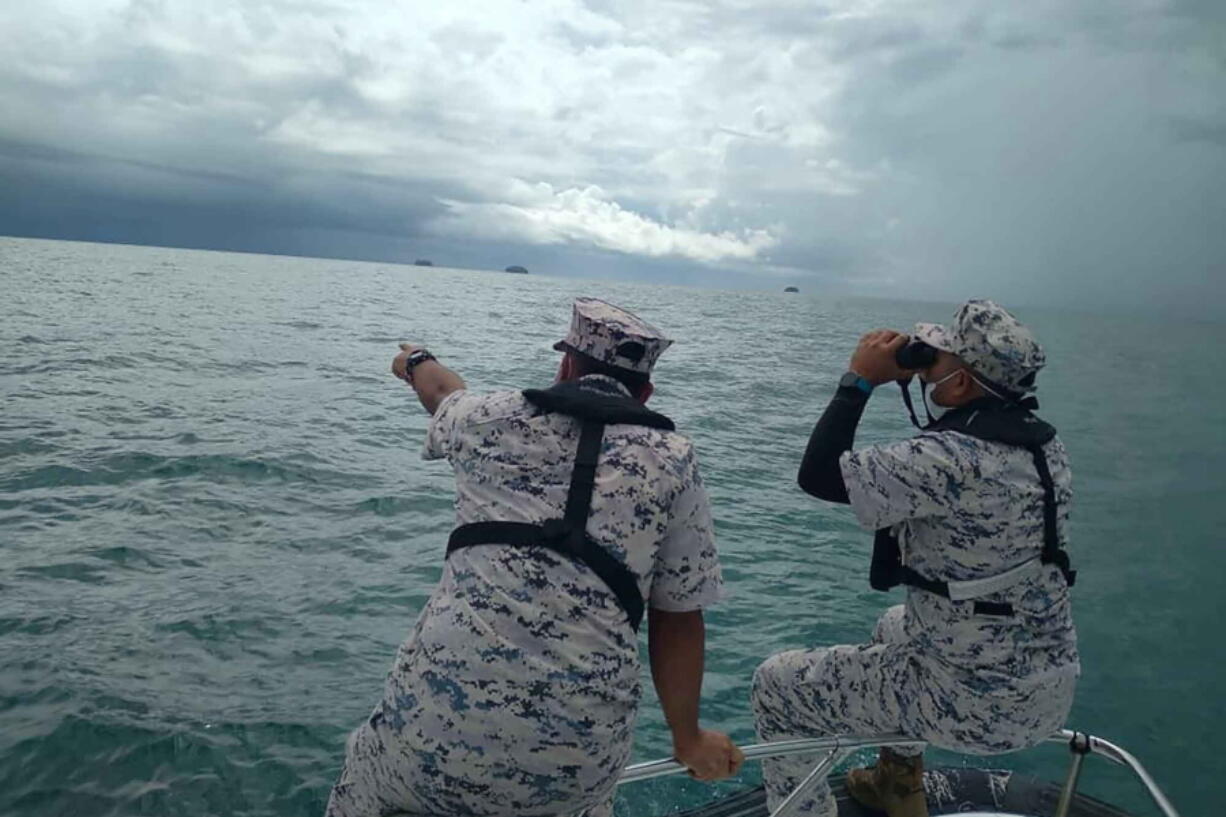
[1052, 552]
[568, 535]
[984, 419]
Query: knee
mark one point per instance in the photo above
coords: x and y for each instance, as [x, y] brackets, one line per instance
[341, 802]
[771, 680]
[765, 678]
[890, 628]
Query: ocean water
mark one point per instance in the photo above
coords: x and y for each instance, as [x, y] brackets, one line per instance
[215, 527]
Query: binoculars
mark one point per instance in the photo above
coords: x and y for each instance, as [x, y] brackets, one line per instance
[915, 355]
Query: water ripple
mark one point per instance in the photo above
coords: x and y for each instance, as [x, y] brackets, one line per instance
[215, 525]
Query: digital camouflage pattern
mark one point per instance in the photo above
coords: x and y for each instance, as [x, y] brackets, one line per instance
[517, 690]
[962, 509]
[613, 336]
[991, 341]
[878, 688]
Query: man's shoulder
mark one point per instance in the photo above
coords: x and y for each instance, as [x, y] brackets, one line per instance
[973, 449]
[673, 450]
[960, 444]
[1056, 450]
[927, 446]
[475, 408]
[671, 446]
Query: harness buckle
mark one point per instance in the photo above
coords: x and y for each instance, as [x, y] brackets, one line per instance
[555, 531]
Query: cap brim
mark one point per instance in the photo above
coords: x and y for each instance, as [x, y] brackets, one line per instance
[935, 335]
[561, 346]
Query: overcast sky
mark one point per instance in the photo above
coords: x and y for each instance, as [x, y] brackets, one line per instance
[1035, 152]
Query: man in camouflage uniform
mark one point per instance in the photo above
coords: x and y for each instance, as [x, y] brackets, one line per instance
[516, 692]
[989, 668]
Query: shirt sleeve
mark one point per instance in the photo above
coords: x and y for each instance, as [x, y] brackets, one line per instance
[687, 573]
[444, 425]
[912, 479]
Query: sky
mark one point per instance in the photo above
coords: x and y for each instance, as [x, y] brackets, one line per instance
[1046, 152]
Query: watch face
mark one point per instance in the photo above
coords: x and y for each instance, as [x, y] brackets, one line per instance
[849, 379]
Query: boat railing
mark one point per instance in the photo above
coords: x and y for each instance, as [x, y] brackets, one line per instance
[835, 750]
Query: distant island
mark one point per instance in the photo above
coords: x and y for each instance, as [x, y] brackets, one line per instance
[423, 262]
[791, 289]
[517, 269]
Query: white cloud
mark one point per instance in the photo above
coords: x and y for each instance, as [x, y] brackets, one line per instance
[588, 217]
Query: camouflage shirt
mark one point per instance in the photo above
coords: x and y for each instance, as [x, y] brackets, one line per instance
[962, 509]
[520, 681]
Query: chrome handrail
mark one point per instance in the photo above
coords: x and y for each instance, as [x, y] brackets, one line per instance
[760, 751]
[1118, 754]
[839, 747]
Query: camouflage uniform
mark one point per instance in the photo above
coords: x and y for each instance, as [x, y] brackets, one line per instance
[517, 690]
[962, 509]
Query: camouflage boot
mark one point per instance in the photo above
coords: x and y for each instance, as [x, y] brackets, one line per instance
[895, 785]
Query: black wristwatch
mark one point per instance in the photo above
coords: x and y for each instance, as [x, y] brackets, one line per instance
[851, 380]
[415, 359]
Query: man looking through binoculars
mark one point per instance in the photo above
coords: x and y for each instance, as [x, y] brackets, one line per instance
[970, 516]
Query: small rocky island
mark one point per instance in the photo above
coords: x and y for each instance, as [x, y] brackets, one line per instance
[517, 269]
[791, 289]
[423, 262]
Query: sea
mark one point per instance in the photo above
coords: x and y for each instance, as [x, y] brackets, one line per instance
[216, 526]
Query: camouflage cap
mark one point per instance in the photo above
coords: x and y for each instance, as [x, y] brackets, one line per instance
[613, 336]
[991, 341]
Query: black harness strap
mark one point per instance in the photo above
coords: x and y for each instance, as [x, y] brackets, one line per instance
[1052, 552]
[910, 577]
[583, 478]
[568, 535]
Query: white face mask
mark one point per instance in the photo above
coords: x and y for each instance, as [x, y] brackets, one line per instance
[935, 410]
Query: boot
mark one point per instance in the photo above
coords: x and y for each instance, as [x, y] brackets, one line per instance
[895, 785]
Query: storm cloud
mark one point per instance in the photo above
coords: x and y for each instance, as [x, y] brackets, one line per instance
[1046, 152]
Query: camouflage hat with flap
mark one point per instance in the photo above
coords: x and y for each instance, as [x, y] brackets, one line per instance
[613, 336]
[996, 345]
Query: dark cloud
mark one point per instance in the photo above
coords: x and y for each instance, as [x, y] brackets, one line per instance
[1202, 10]
[1064, 153]
[1020, 41]
[865, 36]
[922, 65]
[1200, 130]
[57, 193]
[57, 159]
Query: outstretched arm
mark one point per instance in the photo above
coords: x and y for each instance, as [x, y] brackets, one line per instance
[430, 379]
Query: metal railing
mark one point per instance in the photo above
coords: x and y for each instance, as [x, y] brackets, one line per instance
[835, 750]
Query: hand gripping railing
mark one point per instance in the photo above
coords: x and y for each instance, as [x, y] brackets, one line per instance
[836, 749]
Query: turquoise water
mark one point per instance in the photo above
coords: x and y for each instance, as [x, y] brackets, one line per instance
[215, 527]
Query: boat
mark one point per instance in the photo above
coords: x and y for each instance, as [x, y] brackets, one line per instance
[965, 791]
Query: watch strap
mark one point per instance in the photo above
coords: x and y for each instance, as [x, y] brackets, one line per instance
[416, 358]
[853, 380]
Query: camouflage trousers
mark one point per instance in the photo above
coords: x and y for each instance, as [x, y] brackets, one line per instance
[380, 780]
[881, 688]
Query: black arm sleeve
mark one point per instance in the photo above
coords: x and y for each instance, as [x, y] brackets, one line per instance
[834, 433]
